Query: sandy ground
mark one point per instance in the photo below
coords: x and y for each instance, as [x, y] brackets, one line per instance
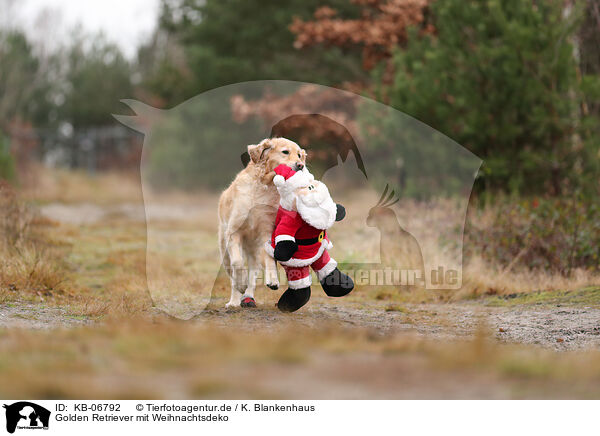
[557, 328]
[554, 328]
[35, 316]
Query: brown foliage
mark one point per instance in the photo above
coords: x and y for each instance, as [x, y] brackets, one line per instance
[307, 99]
[382, 26]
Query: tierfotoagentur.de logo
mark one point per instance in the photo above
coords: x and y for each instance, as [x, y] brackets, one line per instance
[24, 415]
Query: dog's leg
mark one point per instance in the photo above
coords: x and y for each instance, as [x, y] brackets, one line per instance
[238, 273]
[253, 274]
[271, 276]
[236, 297]
[225, 259]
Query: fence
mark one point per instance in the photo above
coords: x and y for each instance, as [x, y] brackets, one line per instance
[91, 148]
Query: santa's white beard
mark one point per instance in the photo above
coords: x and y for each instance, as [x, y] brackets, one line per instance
[317, 208]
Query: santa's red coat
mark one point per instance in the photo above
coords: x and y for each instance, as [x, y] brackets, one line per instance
[289, 225]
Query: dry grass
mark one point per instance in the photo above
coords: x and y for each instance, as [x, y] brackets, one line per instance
[91, 270]
[481, 278]
[30, 260]
[141, 358]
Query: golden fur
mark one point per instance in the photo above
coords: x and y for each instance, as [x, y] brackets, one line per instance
[247, 210]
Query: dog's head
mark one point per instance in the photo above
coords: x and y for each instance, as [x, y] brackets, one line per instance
[272, 152]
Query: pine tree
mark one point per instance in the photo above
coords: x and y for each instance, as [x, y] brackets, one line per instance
[499, 77]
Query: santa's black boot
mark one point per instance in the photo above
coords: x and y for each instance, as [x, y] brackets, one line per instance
[337, 284]
[293, 299]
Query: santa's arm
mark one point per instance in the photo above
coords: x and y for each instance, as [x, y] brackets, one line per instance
[340, 213]
[285, 242]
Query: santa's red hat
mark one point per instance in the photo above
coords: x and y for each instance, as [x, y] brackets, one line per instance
[287, 181]
[285, 176]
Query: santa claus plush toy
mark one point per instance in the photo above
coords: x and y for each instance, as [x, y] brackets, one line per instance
[300, 240]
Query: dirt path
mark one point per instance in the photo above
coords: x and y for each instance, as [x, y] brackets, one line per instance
[89, 213]
[37, 316]
[556, 328]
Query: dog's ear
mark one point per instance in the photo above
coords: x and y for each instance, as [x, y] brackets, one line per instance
[245, 157]
[257, 152]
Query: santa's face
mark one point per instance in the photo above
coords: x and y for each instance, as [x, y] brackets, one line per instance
[315, 205]
[313, 194]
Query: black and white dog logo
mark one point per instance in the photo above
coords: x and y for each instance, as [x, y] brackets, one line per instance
[26, 415]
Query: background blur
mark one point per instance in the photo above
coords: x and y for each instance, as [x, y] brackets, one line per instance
[516, 82]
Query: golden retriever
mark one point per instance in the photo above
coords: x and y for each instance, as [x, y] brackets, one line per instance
[247, 211]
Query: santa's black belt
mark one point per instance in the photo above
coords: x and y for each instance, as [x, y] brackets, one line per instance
[311, 241]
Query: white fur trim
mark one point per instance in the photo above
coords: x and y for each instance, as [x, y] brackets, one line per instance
[300, 283]
[287, 188]
[325, 245]
[298, 180]
[327, 269]
[278, 180]
[280, 238]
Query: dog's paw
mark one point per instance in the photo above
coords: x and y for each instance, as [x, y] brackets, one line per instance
[271, 280]
[231, 305]
[248, 302]
[273, 285]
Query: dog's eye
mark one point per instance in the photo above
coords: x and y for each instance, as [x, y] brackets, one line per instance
[285, 152]
[299, 156]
